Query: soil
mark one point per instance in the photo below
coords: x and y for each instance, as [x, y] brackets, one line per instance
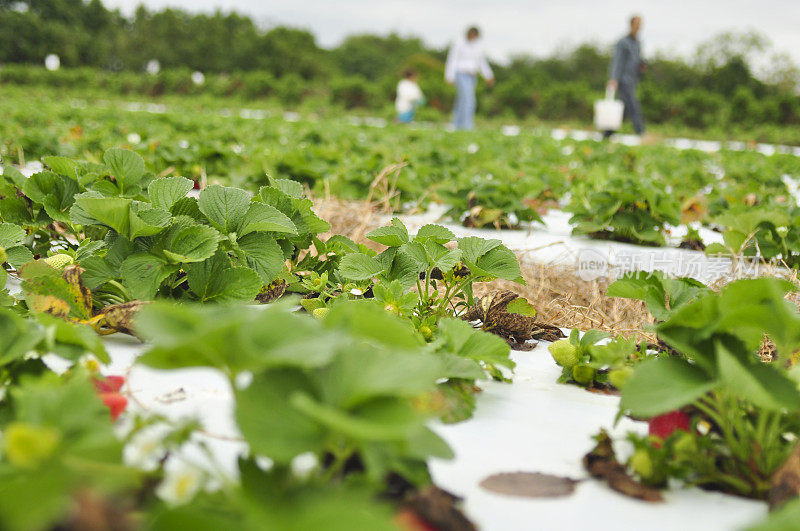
[692, 245]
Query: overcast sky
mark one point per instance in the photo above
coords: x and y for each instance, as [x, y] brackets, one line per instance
[511, 26]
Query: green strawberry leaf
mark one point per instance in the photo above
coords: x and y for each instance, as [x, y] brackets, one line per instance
[266, 218]
[262, 254]
[393, 235]
[142, 274]
[359, 267]
[217, 280]
[188, 241]
[436, 233]
[126, 166]
[165, 192]
[225, 207]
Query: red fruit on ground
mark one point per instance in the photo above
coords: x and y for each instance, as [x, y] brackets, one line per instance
[665, 425]
[115, 402]
[408, 520]
[108, 384]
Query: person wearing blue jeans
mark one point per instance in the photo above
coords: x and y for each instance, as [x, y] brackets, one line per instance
[626, 67]
[464, 62]
[464, 109]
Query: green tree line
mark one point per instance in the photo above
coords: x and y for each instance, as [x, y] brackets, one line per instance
[716, 88]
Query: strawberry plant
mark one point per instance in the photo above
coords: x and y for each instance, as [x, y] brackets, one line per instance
[759, 233]
[734, 409]
[626, 209]
[442, 275]
[589, 361]
[661, 293]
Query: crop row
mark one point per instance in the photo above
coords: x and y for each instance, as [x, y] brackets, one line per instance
[635, 194]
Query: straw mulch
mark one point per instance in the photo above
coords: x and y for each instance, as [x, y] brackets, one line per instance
[559, 296]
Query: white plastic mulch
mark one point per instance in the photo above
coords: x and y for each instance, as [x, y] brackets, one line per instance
[531, 425]
[553, 243]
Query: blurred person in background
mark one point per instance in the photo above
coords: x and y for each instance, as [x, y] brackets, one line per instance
[626, 68]
[464, 62]
[409, 97]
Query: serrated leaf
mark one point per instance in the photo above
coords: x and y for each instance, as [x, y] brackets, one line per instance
[11, 235]
[188, 241]
[217, 280]
[359, 267]
[393, 235]
[16, 177]
[262, 254]
[436, 233]
[224, 206]
[664, 385]
[287, 186]
[97, 271]
[522, 307]
[499, 262]
[147, 222]
[55, 192]
[473, 247]
[126, 166]
[62, 166]
[18, 256]
[113, 212]
[165, 192]
[142, 274]
[265, 218]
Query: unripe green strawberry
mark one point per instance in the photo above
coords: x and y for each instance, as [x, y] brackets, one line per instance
[3, 256]
[426, 332]
[320, 313]
[28, 445]
[59, 261]
[642, 464]
[686, 443]
[565, 353]
[619, 377]
[583, 374]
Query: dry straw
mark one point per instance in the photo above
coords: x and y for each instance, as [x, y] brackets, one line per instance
[560, 296]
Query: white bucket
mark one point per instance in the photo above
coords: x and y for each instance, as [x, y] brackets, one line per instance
[608, 113]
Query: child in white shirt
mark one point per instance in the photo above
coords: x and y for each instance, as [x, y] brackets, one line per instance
[409, 97]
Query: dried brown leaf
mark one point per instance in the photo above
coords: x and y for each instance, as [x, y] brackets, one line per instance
[785, 483]
[436, 507]
[601, 463]
[529, 484]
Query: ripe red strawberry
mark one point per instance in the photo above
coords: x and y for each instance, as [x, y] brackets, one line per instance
[408, 520]
[115, 402]
[108, 384]
[665, 425]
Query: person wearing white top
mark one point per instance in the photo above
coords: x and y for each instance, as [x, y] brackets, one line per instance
[409, 97]
[464, 62]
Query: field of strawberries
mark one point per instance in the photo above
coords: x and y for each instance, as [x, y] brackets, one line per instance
[185, 342]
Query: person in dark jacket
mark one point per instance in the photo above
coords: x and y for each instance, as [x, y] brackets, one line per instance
[626, 67]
